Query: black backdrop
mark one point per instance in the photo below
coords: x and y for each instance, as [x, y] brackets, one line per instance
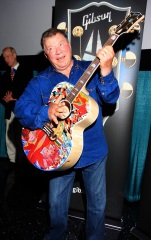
[118, 126]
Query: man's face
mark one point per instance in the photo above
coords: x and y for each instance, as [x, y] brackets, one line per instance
[58, 51]
[9, 57]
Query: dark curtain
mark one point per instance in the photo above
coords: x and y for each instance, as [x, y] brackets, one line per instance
[140, 136]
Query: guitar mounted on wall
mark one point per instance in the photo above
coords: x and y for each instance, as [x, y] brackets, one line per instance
[58, 147]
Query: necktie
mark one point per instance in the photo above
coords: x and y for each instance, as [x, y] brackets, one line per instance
[13, 70]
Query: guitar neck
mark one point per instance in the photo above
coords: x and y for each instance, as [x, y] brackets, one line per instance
[126, 26]
[89, 72]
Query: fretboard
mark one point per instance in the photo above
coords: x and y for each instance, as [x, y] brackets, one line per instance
[89, 72]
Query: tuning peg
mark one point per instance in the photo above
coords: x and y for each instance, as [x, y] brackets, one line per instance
[112, 30]
[137, 28]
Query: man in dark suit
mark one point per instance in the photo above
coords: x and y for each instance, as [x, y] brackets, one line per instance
[15, 79]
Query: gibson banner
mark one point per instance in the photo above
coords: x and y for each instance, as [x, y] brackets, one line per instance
[88, 26]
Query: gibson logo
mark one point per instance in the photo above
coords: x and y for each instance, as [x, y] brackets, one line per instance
[77, 190]
[90, 19]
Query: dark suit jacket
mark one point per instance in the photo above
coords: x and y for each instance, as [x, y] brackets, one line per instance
[0, 78]
[22, 76]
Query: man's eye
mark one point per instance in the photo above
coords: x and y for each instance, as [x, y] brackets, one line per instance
[50, 49]
[62, 44]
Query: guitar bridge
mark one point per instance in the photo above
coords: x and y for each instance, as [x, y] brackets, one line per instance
[50, 133]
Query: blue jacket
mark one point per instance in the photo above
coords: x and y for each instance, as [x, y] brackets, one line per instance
[32, 107]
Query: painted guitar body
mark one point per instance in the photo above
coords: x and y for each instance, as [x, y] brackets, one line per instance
[63, 152]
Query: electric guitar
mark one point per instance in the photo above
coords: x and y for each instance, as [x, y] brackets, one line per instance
[58, 147]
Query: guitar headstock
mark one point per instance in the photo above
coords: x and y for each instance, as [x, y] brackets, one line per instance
[130, 23]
